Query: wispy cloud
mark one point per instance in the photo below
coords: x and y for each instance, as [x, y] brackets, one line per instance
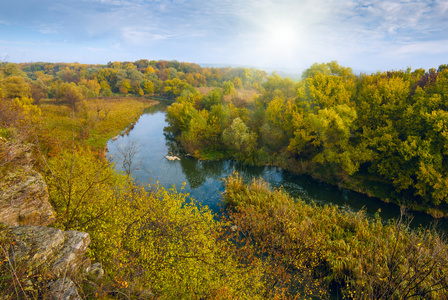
[142, 35]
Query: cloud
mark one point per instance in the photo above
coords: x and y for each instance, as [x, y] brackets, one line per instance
[255, 32]
[142, 35]
[421, 48]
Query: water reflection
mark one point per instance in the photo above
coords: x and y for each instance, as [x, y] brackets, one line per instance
[203, 179]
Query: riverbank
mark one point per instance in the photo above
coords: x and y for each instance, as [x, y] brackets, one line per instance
[359, 183]
[202, 179]
[97, 121]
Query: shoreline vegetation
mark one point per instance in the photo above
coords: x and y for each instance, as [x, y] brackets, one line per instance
[153, 244]
[382, 134]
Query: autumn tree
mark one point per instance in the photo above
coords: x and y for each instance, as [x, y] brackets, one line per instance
[228, 88]
[15, 87]
[174, 87]
[73, 96]
[241, 141]
[39, 90]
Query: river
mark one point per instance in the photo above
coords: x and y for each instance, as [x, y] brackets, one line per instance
[203, 179]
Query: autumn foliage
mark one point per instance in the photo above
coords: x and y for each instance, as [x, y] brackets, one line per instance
[361, 131]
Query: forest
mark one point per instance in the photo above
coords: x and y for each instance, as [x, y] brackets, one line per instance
[383, 134]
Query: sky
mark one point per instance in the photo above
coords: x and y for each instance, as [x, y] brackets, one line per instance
[287, 35]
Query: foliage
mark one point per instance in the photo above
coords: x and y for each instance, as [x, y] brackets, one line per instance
[240, 140]
[158, 243]
[321, 247]
[342, 128]
[161, 242]
[16, 280]
[179, 254]
[80, 188]
[96, 123]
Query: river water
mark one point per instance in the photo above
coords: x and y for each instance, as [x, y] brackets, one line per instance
[203, 179]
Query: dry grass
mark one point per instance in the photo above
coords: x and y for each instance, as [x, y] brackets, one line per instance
[204, 90]
[97, 123]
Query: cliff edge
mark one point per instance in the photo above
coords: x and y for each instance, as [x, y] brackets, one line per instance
[46, 254]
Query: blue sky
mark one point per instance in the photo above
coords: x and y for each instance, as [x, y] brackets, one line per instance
[282, 34]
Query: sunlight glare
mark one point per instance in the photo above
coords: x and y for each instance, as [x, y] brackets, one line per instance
[281, 35]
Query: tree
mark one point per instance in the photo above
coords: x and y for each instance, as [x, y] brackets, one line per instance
[73, 95]
[124, 86]
[15, 87]
[80, 188]
[240, 141]
[174, 87]
[334, 128]
[127, 156]
[214, 97]
[277, 87]
[238, 82]
[228, 88]
[10, 70]
[39, 90]
[316, 69]
[94, 86]
[323, 91]
[148, 87]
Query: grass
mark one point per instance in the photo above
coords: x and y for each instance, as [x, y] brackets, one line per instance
[96, 122]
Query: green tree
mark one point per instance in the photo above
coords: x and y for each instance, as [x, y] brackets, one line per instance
[174, 87]
[334, 128]
[323, 91]
[238, 82]
[148, 87]
[124, 86]
[80, 188]
[242, 143]
[214, 97]
[228, 88]
[73, 95]
[15, 87]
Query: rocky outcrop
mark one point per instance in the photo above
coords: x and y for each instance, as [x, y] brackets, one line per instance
[24, 200]
[23, 192]
[95, 270]
[51, 254]
[63, 289]
[59, 253]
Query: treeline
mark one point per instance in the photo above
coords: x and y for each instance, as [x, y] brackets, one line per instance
[73, 81]
[372, 133]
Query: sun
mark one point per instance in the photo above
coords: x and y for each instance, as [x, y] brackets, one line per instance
[281, 35]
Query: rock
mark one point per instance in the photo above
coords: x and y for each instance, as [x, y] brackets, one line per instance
[61, 253]
[96, 270]
[171, 158]
[63, 289]
[24, 200]
[41, 252]
[23, 192]
[35, 245]
[71, 257]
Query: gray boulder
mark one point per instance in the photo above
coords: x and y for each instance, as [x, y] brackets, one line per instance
[63, 289]
[23, 191]
[60, 253]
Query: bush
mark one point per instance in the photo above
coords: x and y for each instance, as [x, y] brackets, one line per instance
[311, 246]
